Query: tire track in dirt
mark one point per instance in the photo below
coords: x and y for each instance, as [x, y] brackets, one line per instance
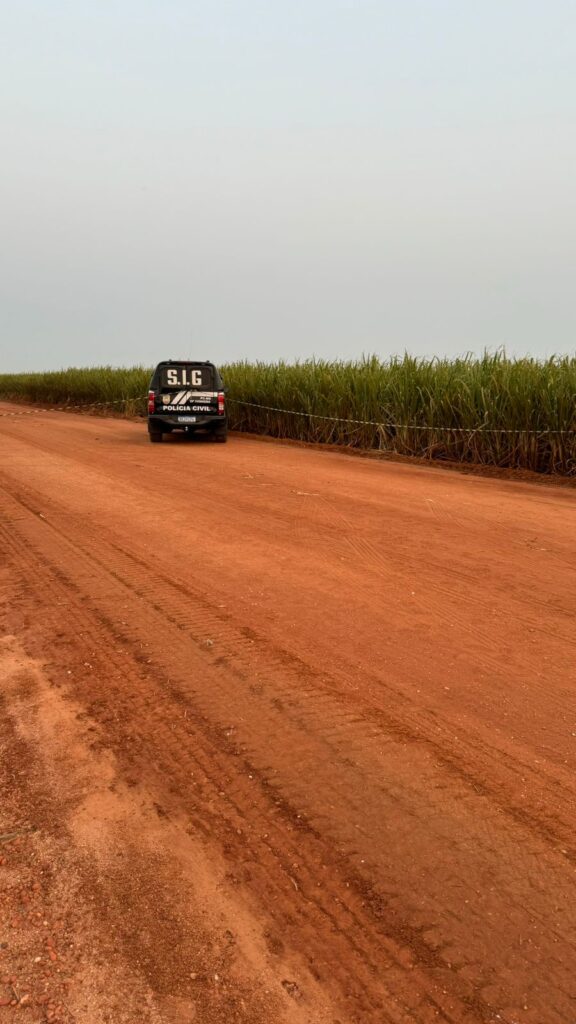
[182, 749]
[242, 648]
[117, 586]
[393, 567]
[130, 884]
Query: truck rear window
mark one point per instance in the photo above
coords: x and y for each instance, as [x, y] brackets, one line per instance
[187, 376]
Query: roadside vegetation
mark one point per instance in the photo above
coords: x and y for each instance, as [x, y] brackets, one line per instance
[515, 413]
[103, 385]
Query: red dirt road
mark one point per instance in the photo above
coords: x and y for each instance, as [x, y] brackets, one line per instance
[297, 732]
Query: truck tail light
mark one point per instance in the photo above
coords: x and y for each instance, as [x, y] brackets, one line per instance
[151, 401]
[221, 405]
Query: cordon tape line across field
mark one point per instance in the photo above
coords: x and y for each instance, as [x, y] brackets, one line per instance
[387, 425]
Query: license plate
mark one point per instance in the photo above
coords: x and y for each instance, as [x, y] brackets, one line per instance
[187, 419]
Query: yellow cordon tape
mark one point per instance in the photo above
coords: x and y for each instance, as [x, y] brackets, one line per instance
[69, 408]
[402, 426]
[316, 416]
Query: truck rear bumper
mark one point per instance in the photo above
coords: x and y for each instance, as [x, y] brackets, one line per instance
[184, 421]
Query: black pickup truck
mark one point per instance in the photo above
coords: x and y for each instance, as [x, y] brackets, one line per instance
[186, 396]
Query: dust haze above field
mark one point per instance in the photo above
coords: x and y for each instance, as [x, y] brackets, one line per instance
[266, 180]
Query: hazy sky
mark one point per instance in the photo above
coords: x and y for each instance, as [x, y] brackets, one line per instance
[285, 178]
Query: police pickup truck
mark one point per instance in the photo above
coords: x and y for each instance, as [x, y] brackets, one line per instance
[186, 396]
